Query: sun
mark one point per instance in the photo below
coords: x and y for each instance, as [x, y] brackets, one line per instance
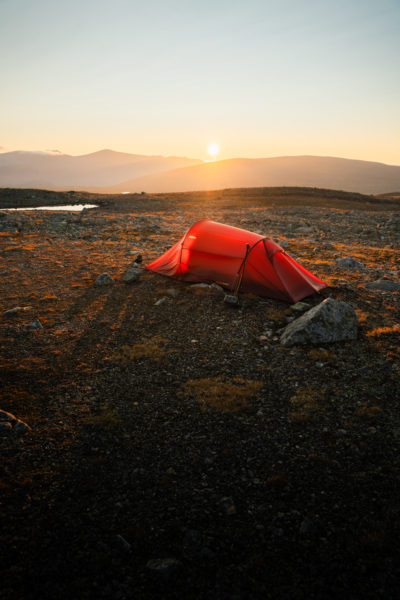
[213, 149]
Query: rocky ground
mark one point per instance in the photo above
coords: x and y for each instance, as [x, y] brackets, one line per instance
[176, 448]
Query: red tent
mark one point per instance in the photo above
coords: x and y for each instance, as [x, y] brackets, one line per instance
[236, 258]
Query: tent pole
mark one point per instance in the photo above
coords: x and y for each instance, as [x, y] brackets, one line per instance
[241, 271]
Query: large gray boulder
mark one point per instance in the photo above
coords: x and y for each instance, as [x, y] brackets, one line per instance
[330, 321]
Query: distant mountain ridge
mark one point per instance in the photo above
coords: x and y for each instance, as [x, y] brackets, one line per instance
[107, 171]
[301, 171]
[102, 168]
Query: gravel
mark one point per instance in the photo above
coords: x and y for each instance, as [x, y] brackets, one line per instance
[176, 449]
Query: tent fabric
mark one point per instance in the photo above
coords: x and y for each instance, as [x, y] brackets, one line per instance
[212, 252]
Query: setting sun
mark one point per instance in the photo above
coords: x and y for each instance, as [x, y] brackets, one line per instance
[213, 150]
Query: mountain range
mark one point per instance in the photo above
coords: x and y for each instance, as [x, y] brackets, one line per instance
[107, 171]
[99, 169]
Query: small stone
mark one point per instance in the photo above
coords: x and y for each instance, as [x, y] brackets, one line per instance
[200, 286]
[384, 285]
[192, 543]
[104, 279]
[36, 324]
[6, 416]
[171, 471]
[17, 309]
[21, 428]
[217, 288]
[228, 505]
[309, 528]
[163, 567]
[347, 262]
[173, 292]
[300, 307]
[232, 300]
[304, 228]
[277, 531]
[123, 544]
[5, 428]
[207, 553]
[132, 274]
[160, 301]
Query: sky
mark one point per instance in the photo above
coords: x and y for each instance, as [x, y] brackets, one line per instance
[260, 78]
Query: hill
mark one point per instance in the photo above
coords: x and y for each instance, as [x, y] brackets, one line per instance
[109, 172]
[103, 168]
[310, 171]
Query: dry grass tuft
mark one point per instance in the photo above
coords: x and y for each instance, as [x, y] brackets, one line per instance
[277, 315]
[107, 418]
[368, 412]
[199, 291]
[18, 402]
[152, 348]
[308, 403]
[362, 316]
[277, 480]
[224, 396]
[321, 354]
[378, 331]
[386, 340]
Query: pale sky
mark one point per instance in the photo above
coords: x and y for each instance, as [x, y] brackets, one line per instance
[259, 77]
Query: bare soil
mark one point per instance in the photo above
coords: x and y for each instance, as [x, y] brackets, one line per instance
[183, 430]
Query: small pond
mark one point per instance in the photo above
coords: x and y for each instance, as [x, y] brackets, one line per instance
[65, 207]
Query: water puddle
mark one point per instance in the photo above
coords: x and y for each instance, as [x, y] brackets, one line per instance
[66, 207]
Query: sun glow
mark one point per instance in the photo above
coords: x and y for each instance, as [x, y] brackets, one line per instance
[213, 150]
